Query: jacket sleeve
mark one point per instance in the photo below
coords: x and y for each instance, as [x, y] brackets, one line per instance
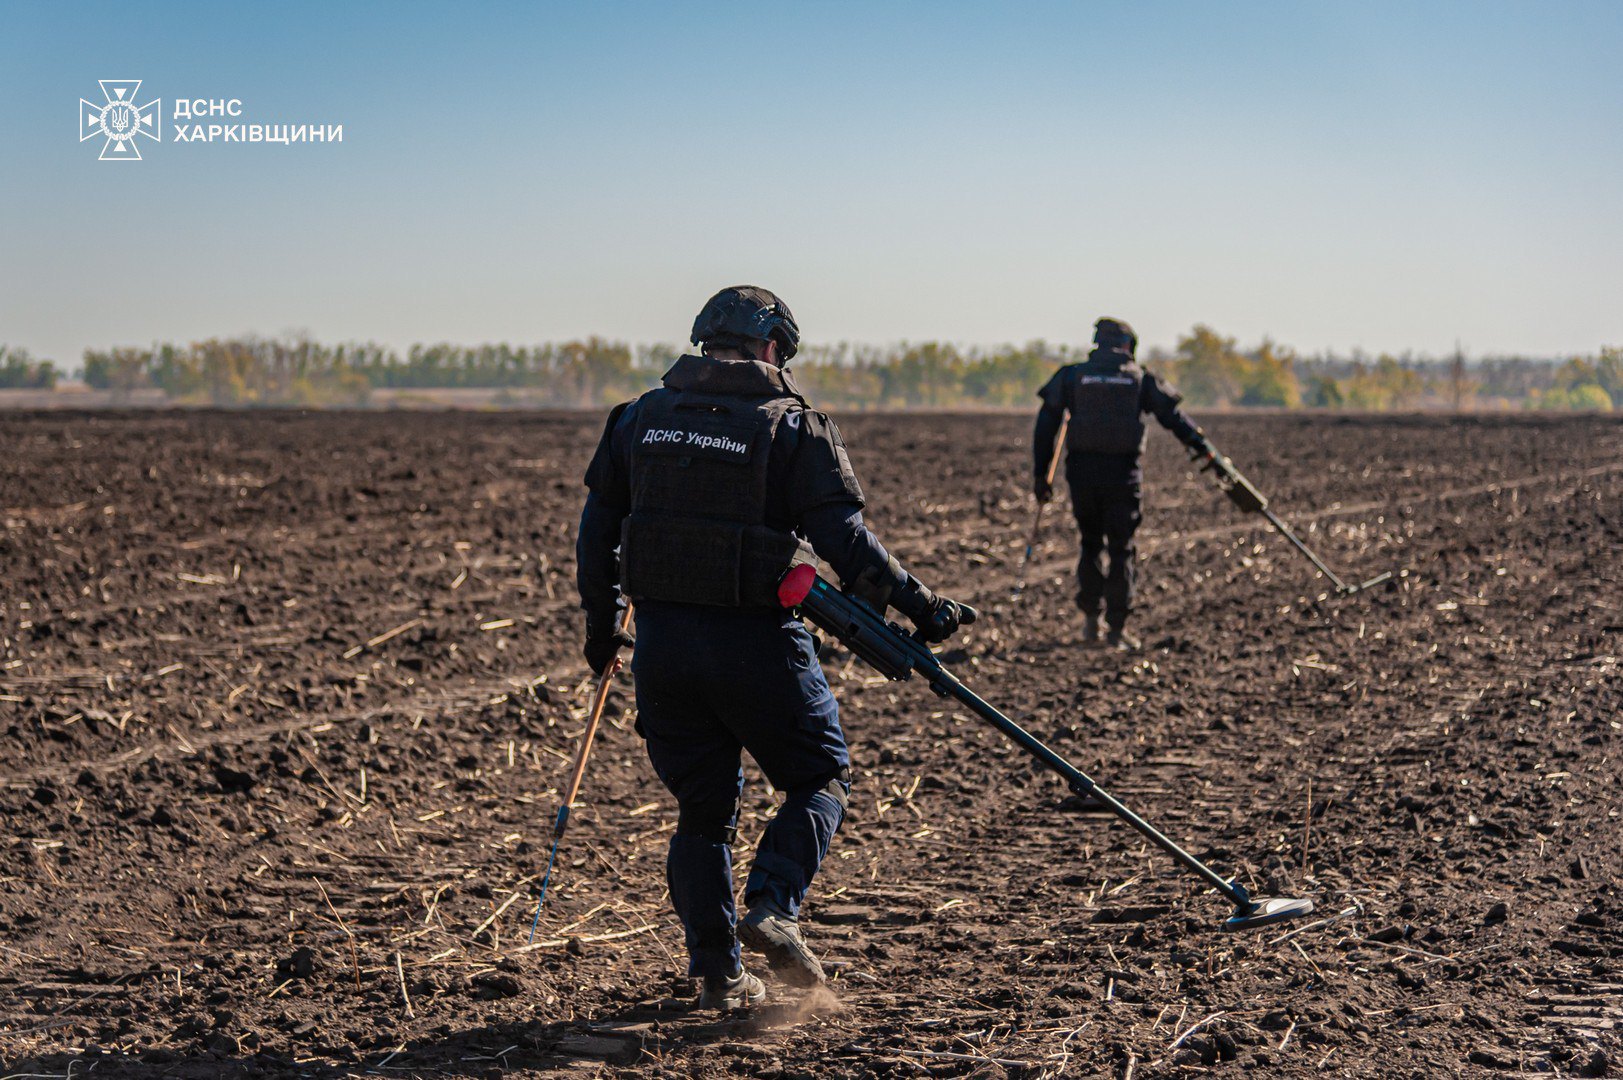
[826, 503]
[843, 540]
[1162, 401]
[608, 500]
[1049, 418]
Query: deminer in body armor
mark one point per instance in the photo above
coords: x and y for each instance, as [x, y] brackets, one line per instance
[1107, 396]
[701, 495]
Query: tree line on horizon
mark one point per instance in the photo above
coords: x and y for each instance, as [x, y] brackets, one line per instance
[1212, 371]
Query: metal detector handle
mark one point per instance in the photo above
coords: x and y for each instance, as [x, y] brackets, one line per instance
[1242, 492]
[882, 645]
[967, 616]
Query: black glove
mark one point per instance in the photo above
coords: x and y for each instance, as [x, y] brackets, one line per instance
[936, 617]
[1042, 489]
[945, 617]
[1199, 448]
[604, 640]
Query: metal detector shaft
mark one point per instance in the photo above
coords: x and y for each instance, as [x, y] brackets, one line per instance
[1285, 531]
[946, 684]
[896, 654]
[1245, 495]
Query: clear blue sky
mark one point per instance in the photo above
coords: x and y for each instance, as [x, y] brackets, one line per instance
[1385, 176]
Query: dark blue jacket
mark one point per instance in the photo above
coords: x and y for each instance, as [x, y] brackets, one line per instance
[811, 491]
[1155, 398]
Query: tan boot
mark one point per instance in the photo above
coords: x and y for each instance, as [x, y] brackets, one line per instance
[741, 991]
[776, 936]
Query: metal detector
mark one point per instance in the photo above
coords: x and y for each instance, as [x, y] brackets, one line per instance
[1245, 495]
[894, 653]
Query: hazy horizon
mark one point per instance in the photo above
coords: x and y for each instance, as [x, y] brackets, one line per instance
[884, 351]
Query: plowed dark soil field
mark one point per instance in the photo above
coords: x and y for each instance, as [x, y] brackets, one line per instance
[286, 701]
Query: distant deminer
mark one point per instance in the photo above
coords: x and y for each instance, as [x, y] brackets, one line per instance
[1106, 396]
[702, 494]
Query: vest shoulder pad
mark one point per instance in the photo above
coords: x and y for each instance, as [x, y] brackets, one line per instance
[822, 468]
[1158, 385]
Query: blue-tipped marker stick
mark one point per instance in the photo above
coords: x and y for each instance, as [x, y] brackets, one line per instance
[581, 754]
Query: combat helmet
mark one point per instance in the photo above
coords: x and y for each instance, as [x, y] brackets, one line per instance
[1111, 333]
[747, 313]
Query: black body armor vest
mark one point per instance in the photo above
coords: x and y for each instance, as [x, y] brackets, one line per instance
[1104, 404]
[697, 531]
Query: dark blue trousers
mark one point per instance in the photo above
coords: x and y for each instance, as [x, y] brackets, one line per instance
[1107, 516]
[712, 682]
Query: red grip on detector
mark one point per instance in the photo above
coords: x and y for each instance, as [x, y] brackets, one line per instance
[796, 585]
